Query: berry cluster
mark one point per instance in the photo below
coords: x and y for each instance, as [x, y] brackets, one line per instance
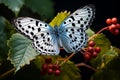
[114, 26]
[49, 68]
[91, 51]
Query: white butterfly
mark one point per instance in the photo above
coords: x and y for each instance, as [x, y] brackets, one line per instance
[70, 34]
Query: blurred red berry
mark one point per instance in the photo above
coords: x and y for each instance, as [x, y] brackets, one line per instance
[45, 66]
[94, 54]
[118, 25]
[50, 66]
[116, 31]
[113, 26]
[114, 20]
[91, 43]
[50, 71]
[90, 49]
[109, 21]
[87, 57]
[97, 49]
[48, 60]
[57, 72]
[55, 66]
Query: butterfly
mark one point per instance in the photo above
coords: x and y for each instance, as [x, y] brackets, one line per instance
[70, 35]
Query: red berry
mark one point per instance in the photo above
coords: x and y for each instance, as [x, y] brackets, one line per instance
[97, 49]
[116, 31]
[50, 66]
[48, 60]
[114, 20]
[95, 54]
[90, 49]
[109, 21]
[55, 66]
[118, 25]
[91, 43]
[112, 27]
[87, 57]
[50, 71]
[44, 69]
[45, 66]
[57, 72]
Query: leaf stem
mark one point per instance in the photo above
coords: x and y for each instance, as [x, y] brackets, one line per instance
[105, 28]
[65, 60]
[85, 65]
[7, 73]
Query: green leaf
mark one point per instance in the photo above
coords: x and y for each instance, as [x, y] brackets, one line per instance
[111, 70]
[21, 51]
[90, 32]
[104, 44]
[4, 35]
[43, 7]
[68, 70]
[109, 55]
[14, 5]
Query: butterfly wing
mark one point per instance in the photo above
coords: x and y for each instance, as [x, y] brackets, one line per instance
[40, 33]
[73, 36]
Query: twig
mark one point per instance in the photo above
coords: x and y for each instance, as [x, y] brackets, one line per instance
[67, 59]
[97, 33]
[85, 65]
[7, 73]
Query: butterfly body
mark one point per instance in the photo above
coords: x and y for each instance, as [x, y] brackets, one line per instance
[48, 39]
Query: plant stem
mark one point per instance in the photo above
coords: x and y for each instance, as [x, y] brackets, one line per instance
[7, 73]
[85, 65]
[105, 28]
[67, 59]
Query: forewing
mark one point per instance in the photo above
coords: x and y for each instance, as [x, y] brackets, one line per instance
[80, 18]
[40, 33]
[73, 36]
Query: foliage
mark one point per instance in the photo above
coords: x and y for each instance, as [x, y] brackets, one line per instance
[104, 44]
[14, 5]
[110, 69]
[68, 70]
[19, 50]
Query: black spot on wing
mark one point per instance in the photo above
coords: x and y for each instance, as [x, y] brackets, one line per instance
[81, 25]
[29, 27]
[33, 28]
[19, 22]
[37, 23]
[78, 21]
[27, 31]
[31, 33]
[73, 24]
[42, 35]
[40, 24]
[72, 18]
[64, 22]
[39, 29]
[70, 35]
[45, 25]
[20, 25]
[76, 13]
[31, 20]
[81, 19]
